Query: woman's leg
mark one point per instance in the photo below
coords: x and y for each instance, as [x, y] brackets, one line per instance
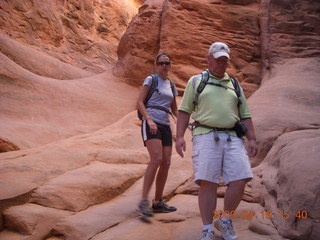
[154, 147]
[162, 174]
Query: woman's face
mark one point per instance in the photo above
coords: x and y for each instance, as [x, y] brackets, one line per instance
[163, 65]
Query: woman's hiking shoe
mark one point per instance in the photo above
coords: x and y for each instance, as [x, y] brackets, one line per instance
[207, 235]
[226, 229]
[144, 209]
[162, 207]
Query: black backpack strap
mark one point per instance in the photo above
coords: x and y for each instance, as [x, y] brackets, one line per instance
[173, 88]
[202, 84]
[237, 89]
[161, 108]
[153, 87]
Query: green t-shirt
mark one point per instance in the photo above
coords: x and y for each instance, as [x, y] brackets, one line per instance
[217, 106]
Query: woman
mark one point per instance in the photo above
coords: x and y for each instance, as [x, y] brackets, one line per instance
[156, 134]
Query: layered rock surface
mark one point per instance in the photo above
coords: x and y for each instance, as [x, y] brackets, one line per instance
[289, 146]
[78, 173]
[185, 29]
[82, 33]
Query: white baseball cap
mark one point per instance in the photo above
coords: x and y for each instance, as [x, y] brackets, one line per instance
[219, 49]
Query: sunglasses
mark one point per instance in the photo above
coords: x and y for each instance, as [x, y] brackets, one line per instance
[163, 63]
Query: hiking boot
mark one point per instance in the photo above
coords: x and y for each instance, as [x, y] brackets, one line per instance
[226, 229]
[144, 209]
[162, 207]
[207, 235]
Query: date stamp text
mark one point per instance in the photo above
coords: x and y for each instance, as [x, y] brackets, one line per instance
[303, 214]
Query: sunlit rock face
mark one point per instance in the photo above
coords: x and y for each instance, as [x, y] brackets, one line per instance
[289, 29]
[82, 33]
[185, 30]
[42, 44]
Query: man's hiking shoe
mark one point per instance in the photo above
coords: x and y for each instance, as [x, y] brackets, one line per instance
[144, 209]
[162, 207]
[226, 229]
[207, 235]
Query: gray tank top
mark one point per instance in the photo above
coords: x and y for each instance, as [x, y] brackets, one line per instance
[161, 97]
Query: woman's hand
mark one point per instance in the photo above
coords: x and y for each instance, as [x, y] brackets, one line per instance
[153, 127]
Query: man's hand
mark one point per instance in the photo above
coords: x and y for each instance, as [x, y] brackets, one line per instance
[180, 146]
[252, 148]
[182, 124]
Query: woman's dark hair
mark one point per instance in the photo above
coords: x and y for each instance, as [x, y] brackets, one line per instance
[161, 55]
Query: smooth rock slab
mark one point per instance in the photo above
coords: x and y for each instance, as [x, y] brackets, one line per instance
[93, 184]
[33, 220]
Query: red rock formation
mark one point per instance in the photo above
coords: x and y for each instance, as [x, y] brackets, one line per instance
[6, 146]
[289, 29]
[82, 33]
[60, 41]
[185, 29]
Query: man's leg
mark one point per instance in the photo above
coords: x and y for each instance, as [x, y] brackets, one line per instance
[207, 200]
[232, 199]
[207, 158]
[234, 194]
[235, 157]
[235, 165]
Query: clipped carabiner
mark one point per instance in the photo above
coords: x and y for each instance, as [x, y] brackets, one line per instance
[216, 136]
[229, 137]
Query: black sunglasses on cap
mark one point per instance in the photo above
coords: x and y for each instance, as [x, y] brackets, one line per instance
[163, 63]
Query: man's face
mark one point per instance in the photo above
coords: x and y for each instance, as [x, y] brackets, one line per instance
[217, 66]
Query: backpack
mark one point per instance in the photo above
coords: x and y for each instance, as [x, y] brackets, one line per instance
[204, 81]
[239, 127]
[154, 87]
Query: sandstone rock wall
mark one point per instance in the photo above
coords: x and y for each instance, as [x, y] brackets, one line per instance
[289, 29]
[290, 189]
[82, 33]
[287, 120]
[288, 137]
[185, 30]
[44, 42]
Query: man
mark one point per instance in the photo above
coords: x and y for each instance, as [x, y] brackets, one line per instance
[216, 148]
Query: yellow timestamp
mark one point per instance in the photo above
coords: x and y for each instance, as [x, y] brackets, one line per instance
[302, 214]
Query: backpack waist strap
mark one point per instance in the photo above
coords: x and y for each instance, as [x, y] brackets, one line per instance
[160, 108]
[197, 124]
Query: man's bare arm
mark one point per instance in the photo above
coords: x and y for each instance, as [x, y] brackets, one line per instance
[182, 124]
[252, 148]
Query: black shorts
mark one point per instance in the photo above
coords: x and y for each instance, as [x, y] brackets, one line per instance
[163, 133]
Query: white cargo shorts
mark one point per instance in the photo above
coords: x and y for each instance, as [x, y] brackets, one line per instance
[212, 159]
